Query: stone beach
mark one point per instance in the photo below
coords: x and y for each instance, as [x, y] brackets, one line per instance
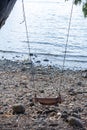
[19, 82]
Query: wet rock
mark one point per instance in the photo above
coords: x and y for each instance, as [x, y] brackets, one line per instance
[38, 61]
[18, 109]
[28, 63]
[46, 60]
[31, 54]
[75, 122]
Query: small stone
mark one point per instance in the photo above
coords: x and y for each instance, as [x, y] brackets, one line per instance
[84, 75]
[77, 109]
[38, 61]
[85, 105]
[16, 85]
[53, 124]
[76, 115]
[1, 112]
[79, 83]
[48, 111]
[75, 122]
[59, 114]
[64, 115]
[31, 104]
[31, 100]
[31, 54]
[52, 114]
[46, 60]
[18, 109]
[72, 92]
[41, 91]
[23, 69]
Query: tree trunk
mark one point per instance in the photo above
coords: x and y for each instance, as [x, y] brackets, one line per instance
[6, 7]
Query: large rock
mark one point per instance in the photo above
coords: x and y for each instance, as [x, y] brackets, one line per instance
[18, 109]
[75, 122]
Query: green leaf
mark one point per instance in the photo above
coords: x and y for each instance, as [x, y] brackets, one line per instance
[84, 9]
[77, 2]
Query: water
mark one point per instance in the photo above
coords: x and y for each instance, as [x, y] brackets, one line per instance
[47, 22]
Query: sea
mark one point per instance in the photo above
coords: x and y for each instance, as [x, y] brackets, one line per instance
[47, 23]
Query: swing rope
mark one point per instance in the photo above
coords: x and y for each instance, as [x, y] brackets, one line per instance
[47, 101]
[67, 39]
[66, 46]
[28, 43]
[26, 28]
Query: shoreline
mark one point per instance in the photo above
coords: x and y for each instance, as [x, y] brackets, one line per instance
[9, 64]
[16, 87]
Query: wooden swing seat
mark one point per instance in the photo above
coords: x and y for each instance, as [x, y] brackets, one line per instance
[48, 101]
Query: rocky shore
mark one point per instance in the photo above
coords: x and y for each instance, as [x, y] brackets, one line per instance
[19, 82]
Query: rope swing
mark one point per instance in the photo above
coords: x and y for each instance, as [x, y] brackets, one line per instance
[58, 99]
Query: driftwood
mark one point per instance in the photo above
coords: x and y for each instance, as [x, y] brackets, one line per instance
[6, 7]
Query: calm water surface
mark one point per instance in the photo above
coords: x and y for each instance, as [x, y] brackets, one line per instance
[47, 22]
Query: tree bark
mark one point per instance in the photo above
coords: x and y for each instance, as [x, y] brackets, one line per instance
[6, 7]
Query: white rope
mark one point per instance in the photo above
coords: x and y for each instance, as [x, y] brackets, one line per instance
[27, 36]
[26, 28]
[66, 45]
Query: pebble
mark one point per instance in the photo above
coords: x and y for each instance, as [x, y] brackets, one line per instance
[38, 61]
[84, 75]
[75, 122]
[79, 83]
[31, 104]
[46, 60]
[64, 115]
[18, 109]
[71, 92]
[23, 69]
[77, 109]
[76, 115]
[48, 111]
[53, 124]
[16, 85]
[41, 91]
[85, 105]
[1, 112]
